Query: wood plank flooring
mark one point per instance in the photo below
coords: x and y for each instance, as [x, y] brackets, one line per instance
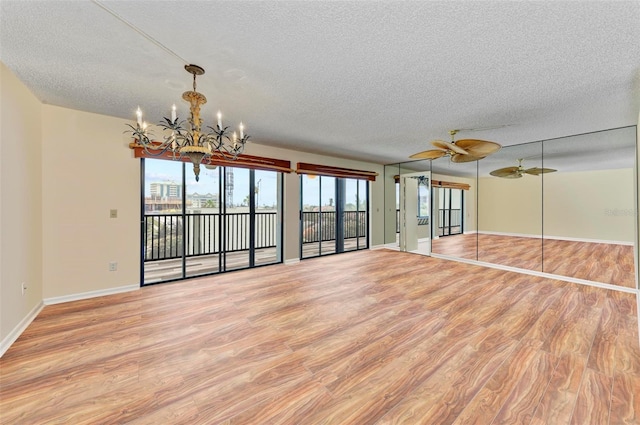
[368, 337]
[598, 262]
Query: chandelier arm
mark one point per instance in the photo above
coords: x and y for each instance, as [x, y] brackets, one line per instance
[187, 138]
[156, 149]
[232, 150]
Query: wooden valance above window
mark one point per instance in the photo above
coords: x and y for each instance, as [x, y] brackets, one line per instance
[440, 183]
[326, 170]
[243, 161]
[450, 185]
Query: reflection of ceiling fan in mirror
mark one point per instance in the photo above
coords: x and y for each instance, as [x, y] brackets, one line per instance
[464, 150]
[519, 171]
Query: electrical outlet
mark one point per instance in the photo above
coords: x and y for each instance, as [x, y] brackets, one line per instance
[24, 287]
[113, 266]
[113, 213]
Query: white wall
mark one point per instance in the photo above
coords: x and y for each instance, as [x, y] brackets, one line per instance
[20, 206]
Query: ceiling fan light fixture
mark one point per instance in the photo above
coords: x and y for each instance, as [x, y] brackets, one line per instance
[519, 171]
[464, 150]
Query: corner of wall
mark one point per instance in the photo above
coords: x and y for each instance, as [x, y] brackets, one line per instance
[21, 206]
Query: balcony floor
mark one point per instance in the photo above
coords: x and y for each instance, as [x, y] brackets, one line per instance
[163, 270]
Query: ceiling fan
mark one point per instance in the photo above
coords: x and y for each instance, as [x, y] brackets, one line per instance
[519, 171]
[464, 150]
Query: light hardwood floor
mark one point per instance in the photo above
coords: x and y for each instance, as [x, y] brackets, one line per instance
[598, 262]
[369, 337]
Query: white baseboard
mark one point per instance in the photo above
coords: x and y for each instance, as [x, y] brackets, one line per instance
[377, 247]
[557, 238]
[539, 274]
[90, 294]
[393, 246]
[17, 331]
[291, 261]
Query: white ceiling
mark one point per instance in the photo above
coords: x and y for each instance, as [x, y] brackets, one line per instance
[369, 80]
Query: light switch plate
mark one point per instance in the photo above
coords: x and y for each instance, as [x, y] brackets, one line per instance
[113, 213]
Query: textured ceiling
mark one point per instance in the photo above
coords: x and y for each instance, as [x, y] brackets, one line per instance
[369, 80]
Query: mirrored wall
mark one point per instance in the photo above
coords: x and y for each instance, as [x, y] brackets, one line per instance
[565, 206]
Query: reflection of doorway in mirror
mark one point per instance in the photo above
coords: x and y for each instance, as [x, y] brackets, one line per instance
[408, 214]
[415, 213]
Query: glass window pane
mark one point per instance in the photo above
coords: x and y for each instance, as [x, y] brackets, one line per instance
[334, 215]
[208, 228]
[163, 225]
[267, 218]
[423, 198]
[310, 230]
[350, 215]
[237, 218]
[363, 202]
[202, 222]
[328, 214]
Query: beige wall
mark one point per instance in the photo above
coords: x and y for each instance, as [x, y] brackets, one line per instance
[590, 205]
[80, 186]
[57, 235]
[510, 205]
[20, 202]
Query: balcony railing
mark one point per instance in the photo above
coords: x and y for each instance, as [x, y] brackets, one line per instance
[212, 233]
[450, 218]
[318, 226]
[205, 233]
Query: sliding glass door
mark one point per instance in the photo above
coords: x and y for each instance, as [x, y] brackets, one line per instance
[450, 211]
[229, 220]
[334, 215]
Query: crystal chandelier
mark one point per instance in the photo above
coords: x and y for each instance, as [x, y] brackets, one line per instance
[191, 141]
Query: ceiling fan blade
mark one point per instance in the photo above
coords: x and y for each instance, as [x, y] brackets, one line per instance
[448, 146]
[479, 148]
[512, 176]
[537, 171]
[459, 157]
[430, 154]
[508, 172]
